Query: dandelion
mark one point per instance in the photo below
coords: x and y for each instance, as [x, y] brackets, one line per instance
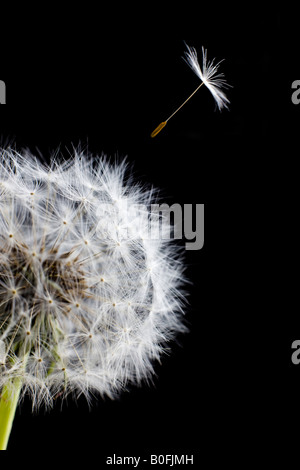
[209, 77]
[87, 301]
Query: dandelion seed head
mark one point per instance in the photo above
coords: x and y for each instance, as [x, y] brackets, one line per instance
[87, 300]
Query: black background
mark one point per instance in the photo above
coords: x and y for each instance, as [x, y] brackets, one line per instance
[230, 384]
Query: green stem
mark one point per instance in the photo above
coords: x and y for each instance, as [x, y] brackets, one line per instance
[8, 403]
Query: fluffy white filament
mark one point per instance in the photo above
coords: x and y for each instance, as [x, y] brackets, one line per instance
[87, 301]
[209, 75]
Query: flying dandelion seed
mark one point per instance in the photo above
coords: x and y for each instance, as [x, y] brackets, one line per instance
[209, 77]
[83, 308]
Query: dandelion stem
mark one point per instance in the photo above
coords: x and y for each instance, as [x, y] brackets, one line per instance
[8, 405]
[185, 102]
[163, 124]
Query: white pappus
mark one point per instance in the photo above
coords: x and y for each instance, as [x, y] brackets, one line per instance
[88, 302]
[209, 75]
